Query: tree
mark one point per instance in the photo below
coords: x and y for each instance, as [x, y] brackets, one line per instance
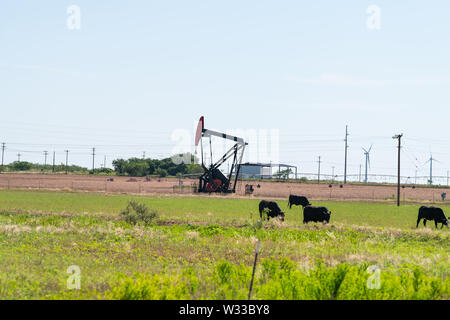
[194, 168]
[119, 166]
[137, 169]
[161, 172]
[21, 166]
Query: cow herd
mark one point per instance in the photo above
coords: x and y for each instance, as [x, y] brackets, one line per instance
[310, 213]
[321, 214]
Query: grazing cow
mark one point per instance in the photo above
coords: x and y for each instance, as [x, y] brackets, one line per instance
[432, 213]
[298, 200]
[273, 209]
[316, 214]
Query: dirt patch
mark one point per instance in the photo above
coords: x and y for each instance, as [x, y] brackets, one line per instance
[172, 186]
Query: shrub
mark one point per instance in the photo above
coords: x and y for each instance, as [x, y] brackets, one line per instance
[138, 212]
[161, 172]
[149, 287]
[281, 279]
[21, 166]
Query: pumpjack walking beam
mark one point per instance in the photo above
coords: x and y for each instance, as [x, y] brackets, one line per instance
[213, 180]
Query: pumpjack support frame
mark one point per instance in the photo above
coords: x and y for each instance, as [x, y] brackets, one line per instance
[213, 180]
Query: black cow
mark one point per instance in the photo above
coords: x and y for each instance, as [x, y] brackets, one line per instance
[432, 213]
[273, 209]
[298, 200]
[316, 214]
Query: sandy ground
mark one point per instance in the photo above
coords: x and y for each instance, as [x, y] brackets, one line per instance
[267, 189]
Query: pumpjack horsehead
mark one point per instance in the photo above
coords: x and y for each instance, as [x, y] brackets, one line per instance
[213, 180]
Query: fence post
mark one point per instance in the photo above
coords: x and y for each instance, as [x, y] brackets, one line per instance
[254, 268]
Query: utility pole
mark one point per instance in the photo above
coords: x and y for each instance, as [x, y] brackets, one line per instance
[45, 158]
[18, 157]
[346, 147]
[93, 159]
[104, 163]
[53, 166]
[3, 152]
[332, 173]
[318, 174]
[67, 159]
[399, 137]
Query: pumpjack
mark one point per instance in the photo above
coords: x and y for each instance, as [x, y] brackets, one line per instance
[213, 180]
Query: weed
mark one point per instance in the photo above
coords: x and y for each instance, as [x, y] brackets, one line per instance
[139, 213]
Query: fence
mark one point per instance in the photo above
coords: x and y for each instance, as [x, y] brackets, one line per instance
[85, 183]
[261, 189]
[371, 178]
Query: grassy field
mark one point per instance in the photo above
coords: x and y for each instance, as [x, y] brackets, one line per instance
[203, 248]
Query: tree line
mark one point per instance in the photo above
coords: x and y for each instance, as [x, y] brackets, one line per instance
[126, 167]
[28, 166]
[166, 167]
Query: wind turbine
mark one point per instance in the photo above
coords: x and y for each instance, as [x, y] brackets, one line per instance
[367, 154]
[430, 182]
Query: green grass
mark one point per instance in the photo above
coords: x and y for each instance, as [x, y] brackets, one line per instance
[203, 248]
[210, 209]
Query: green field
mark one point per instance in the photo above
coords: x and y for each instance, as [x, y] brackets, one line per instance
[203, 248]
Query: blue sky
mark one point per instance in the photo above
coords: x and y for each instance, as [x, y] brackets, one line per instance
[138, 70]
